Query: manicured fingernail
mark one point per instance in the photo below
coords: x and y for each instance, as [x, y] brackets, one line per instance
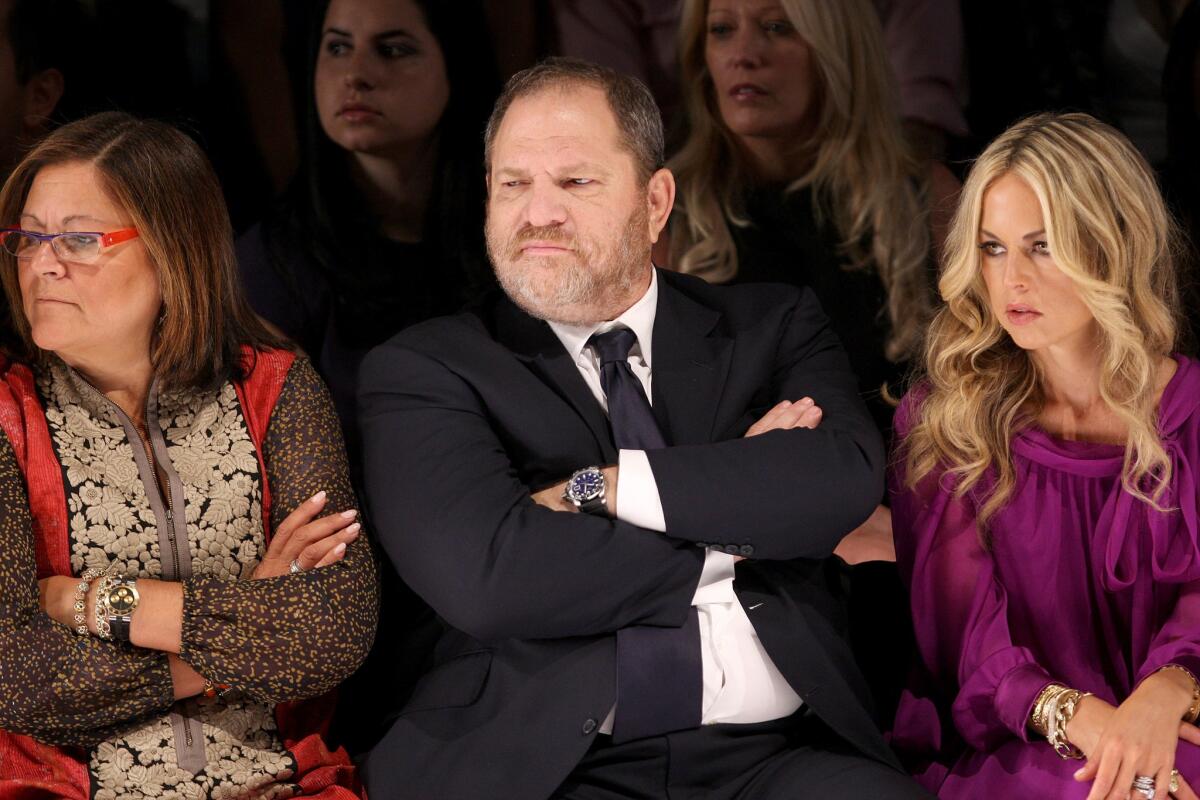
[350, 514]
[319, 497]
[341, 548]
[354, 529]
[807, 401]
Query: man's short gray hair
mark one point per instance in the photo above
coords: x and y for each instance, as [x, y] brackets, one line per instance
[637, 115]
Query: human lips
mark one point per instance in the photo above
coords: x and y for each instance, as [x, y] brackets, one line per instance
[747, 92]
[1021, 313]
[358, 112]
[542, 248]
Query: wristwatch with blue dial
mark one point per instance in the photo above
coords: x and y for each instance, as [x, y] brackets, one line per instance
[586, 488]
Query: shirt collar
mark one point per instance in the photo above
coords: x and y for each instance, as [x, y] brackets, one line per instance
[639, 318]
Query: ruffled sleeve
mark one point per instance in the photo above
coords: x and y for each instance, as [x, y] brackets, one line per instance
[960, 616]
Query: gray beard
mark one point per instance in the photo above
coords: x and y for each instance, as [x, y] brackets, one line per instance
[577, 295]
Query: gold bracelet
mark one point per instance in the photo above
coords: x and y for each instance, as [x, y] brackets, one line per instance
[1064, 710]
[81, 591]
[1037, 719]
[102, 628]
[1193, 712]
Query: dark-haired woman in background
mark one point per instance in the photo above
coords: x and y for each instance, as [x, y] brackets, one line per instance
[383, 226]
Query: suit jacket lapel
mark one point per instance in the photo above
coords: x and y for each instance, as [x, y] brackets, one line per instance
[690, 365]
[533, 343]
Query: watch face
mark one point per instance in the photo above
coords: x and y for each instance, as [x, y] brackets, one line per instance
[586, 485]
[122, 600]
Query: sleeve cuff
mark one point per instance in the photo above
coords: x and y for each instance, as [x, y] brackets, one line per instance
[996, 700]
[716, 580]
[1188, 661]
[1015, 696]
[638, 502]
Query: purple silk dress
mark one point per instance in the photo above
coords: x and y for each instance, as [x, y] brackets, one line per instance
[1083, 585]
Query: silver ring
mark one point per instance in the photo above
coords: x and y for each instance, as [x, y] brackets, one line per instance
[1144, 785]
[295, 567]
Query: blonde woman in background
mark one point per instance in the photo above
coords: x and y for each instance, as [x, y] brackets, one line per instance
[796, 170]
[1045, 502]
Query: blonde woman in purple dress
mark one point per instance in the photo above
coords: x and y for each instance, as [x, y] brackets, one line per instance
[1045, 496]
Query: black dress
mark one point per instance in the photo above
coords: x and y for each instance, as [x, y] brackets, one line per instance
[787, 243]
[338, 316]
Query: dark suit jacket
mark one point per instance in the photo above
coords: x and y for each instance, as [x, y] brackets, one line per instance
[462, 417]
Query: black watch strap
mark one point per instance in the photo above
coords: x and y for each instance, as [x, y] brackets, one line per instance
[119, 627]
[595, 506]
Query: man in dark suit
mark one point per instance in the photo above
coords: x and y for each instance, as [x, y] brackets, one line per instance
[601, 483]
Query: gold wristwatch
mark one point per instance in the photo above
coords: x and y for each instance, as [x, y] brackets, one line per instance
[119, 603]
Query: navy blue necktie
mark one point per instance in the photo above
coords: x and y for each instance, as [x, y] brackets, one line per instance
[660, 677]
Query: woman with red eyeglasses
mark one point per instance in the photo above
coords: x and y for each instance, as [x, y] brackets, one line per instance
[179, 557]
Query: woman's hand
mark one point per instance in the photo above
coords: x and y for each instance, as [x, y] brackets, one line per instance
[1138, 738]
[56, 596]
[311, 542]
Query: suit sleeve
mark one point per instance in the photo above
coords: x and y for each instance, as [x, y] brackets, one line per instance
[463, 532]
[782, 494]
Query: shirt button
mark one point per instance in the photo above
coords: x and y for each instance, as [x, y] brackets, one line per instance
[589, 726]
[732, 549]
[747, 549]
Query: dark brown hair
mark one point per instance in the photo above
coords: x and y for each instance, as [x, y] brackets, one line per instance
[160, 177]
[638, 118]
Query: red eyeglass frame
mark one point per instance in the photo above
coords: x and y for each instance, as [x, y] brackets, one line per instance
[106, 239]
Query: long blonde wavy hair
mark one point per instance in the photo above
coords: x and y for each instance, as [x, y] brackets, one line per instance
[1111, 234]
[859, 163]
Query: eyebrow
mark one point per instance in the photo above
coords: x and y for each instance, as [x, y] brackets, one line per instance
[584, 166]
[510, 172]
[382, 35]
[1033, 235]
[66, 220]
[503, 173]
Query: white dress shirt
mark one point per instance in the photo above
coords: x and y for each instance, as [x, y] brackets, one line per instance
[741, 683]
